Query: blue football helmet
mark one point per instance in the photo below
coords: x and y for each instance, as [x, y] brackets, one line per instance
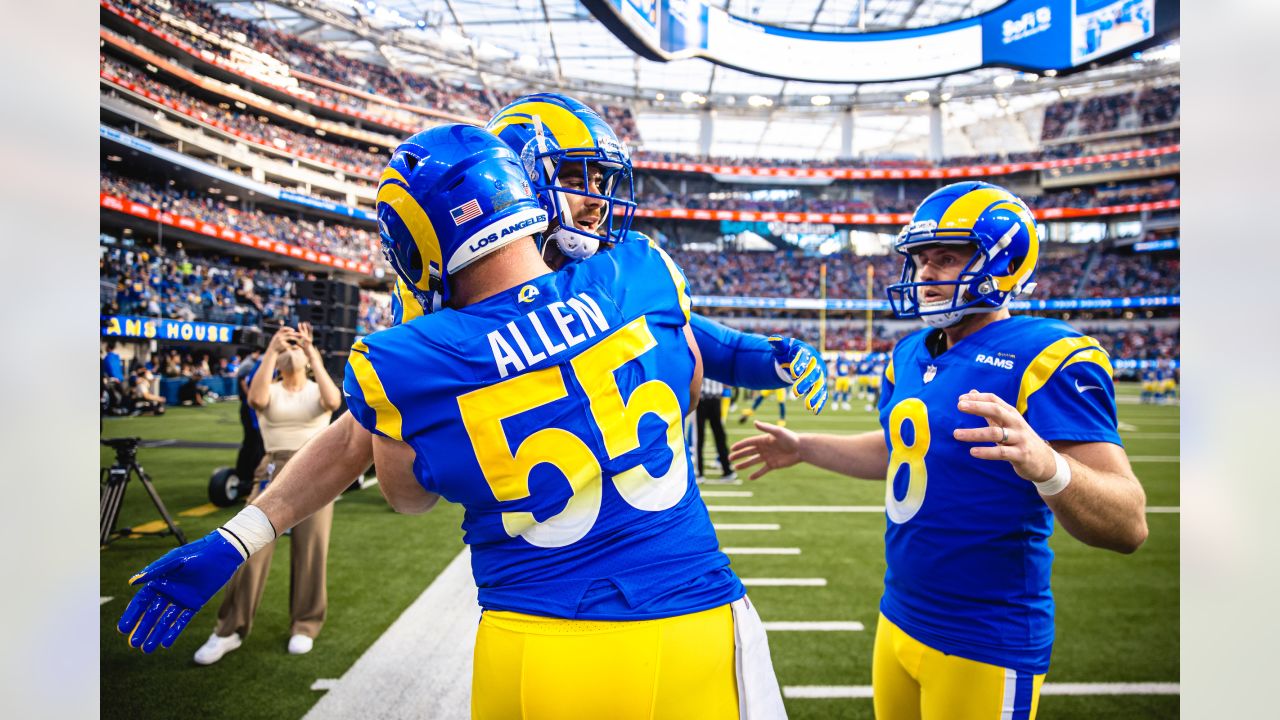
[449, 196]
[551, 131]
[1005, 243]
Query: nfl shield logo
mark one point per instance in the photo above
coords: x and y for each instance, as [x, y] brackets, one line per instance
[930, 372]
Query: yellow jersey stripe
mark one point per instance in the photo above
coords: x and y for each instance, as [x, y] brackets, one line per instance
[686, 304]
[390, 422]
[1037, 374]
[888, 372]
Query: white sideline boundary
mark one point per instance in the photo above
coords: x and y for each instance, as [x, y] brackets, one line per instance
[421, 666]
[827, 626]
[823, 692]
[747, 526]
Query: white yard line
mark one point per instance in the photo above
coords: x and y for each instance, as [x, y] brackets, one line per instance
[747, 526]
[1155, 458]
[828, 626]
[104, 600]
[727, 493]
[843, 508]
[421, 666]
[784, 582]
[864, 691]
[759, 551]
[798, 508]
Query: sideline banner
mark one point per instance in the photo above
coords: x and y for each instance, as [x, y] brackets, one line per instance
[146, 328]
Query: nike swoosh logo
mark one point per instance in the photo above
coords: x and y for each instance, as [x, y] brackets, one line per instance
[1081, 388]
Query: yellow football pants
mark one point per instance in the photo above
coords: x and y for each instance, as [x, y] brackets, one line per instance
[529, 668]
[912, 681]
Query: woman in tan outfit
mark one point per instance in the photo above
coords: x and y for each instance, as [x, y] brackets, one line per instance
[291, 408]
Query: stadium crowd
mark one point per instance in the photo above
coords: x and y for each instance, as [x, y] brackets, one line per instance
[1064, 151]
[150, 281]
[1087, 196]
[1103, 113]
[258, 128]
[785, 274]
[222, 37]
[1137, 274]
[340, 240]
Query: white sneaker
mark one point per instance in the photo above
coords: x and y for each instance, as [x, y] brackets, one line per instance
[215, 647]
[300, 645]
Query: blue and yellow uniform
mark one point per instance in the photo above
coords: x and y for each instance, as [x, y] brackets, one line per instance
[733, 357]
[1150, 383]
[1167, 381]
[863, 373]
[844, 381]
[552, 412]
[967, 596]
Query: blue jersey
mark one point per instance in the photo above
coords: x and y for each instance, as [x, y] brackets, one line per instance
[966, 540]
[843, 366]
[729, 356]
[553, 413]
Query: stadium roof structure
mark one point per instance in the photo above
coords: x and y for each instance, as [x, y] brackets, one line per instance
[527, 45]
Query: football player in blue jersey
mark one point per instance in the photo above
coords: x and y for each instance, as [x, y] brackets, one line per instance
[582, 174]
[992, 426]
[559, 397]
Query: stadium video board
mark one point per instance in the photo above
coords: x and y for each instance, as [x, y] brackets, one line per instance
[1030, 35]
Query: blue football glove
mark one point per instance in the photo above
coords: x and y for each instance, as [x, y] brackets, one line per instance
[176, 586]
[803, 368]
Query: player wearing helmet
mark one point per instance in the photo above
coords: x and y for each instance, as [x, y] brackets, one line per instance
[992, 426]
[550, 406]
[581, 174]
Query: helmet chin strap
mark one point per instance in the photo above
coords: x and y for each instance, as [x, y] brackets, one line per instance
[573, 243]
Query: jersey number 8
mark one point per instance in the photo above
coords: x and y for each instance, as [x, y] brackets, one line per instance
[617, 418]
[911, 455]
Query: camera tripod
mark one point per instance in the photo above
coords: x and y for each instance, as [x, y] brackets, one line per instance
[114, 481]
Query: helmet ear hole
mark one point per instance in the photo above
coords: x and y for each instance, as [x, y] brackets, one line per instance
[410, 161]
[415, 260]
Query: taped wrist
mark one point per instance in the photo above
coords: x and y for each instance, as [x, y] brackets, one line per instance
[249, 531]
[1060, 480]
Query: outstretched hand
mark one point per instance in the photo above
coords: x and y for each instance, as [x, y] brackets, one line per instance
[777, 448]
[174, 587]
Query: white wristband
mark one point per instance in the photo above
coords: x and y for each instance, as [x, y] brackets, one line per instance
[249, 531]
[1060, 480]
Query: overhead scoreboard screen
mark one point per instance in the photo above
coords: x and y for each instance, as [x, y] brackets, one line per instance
[1030, 35]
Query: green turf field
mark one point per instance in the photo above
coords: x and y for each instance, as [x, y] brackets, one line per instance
[1117, 615]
